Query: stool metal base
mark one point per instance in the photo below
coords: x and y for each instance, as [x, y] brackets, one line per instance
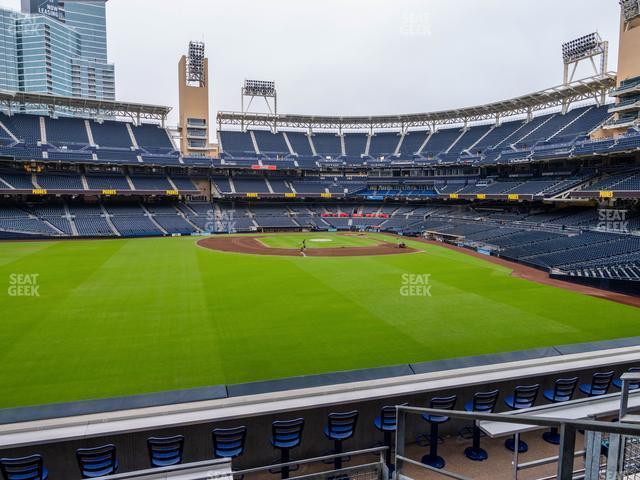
[435, 462]
[478, 455]
[552, 436]
[510, 445]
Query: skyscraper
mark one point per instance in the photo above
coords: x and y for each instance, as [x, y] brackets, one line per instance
[57, 47]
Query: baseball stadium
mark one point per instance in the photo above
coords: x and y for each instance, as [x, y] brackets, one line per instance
[448, 294]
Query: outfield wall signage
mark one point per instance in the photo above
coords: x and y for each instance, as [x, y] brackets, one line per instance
[39, 191]
[173, 193]
[109, 192]
[252, 195]
[606, 194]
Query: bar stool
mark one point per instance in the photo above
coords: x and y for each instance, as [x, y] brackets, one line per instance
[562, 391]
[523, 397]
[441, 403]
[228, 442]
[387, 423]
[98, 461]
[285, 435]
[632, 385]
[340, 427]
[484, 402]
[600, 383]
[24, 468]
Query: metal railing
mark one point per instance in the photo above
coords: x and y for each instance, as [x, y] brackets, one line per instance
[221, 469]
[307, 461]
[594, 430]
[207, 470]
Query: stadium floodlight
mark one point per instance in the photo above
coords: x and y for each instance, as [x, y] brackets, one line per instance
[259, 88]
[630, 9]
[195, 64]
[586, 47]
[581, 48]
[263, 89]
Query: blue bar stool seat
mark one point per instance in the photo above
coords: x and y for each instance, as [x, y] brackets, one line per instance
[24, 468]
[562, 391]
[285, 435]
[97, 462]
[484, 402]
[632, 385]
[165, 451]
[441, 403]
[340, 427]
[387, 423]
[523, 397]
[229, 442]
[600, 383]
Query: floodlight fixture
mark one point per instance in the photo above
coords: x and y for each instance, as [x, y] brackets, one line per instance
[630, 9]
[196, 74]
[259, 88]
[582, 48]
[587, 47]
[264, 89]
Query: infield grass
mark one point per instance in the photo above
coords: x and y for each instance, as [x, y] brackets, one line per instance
[319, 240]
[130, 316]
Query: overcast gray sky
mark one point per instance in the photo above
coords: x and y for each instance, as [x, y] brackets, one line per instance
[353, 57]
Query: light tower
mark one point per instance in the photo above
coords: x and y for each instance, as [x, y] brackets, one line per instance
[266, 90]
[588, 47]
[193, 74]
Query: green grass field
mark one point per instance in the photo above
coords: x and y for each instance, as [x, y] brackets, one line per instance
[122, 317]
[318, 240]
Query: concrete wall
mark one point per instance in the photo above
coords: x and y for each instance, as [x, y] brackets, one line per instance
[629, 53]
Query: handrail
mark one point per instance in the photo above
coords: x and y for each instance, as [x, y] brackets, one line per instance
[567, 429]
[596, 425]
[306, 461]
[204, 467]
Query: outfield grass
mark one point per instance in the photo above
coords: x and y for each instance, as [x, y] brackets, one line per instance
[121, 317]
[318, 240]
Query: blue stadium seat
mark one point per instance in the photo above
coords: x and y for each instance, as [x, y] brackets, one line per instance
[483, 402]
[229, 442]
[632, 385]
[165, 451]
[562, 391]
[600, 383]
[25, 468]
[340, 427]
[286, 435]
[523, 397]
[97, 462]
[441, 403]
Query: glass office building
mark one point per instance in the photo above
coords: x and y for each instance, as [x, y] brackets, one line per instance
[56, 47]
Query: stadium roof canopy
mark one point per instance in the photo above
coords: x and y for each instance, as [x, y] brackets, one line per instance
[593, 88]
[13, 101]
